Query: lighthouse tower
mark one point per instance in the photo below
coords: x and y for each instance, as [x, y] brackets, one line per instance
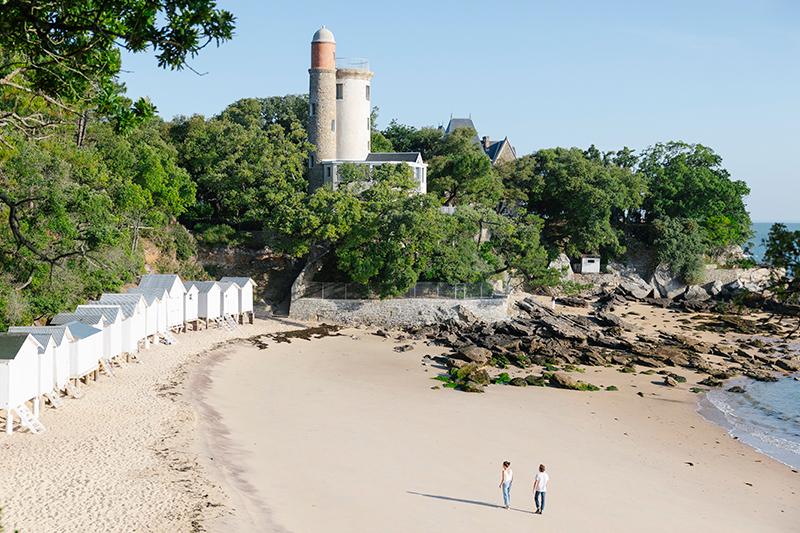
[322, 97]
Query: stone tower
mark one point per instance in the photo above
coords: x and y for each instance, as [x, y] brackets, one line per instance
[322, 98]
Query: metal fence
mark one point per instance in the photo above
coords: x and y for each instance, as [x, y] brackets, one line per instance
[354, 291]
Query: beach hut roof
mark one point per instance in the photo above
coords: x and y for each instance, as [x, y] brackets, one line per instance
[169, 282]
[126, 302]
[240, 281]
[92, 316]
[11, 343]
[150, 295]
[56, 332]
[202, 286]
[44, 339]
[227, 285]
[111, 312]
[81, 331]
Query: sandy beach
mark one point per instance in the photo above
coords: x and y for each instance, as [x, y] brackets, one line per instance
[122, 457]
[343, 434]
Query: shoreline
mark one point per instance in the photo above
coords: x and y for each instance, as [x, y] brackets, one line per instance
[666, 422]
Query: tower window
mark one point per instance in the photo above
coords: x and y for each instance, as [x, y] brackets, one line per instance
[311, 161]
[339, 91]
[313, 109]
[367, 92]
[333, 125]
[369, 126]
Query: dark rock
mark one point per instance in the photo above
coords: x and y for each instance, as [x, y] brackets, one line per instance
[649, 361]
[669, 381]
[563, 380]
[474, 354]
[711, 381]
[790, 365]
[536, 381]
[572, 301]
[760, 375]
[518, 382]
[737, 389]
[471, 386]
[403, 348]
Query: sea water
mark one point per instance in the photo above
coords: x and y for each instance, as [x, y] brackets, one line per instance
[767, 415]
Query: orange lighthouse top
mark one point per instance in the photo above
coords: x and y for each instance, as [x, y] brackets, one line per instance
[323, 50]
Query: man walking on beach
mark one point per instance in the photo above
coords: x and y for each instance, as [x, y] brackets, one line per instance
[506, 477]
[540, 489]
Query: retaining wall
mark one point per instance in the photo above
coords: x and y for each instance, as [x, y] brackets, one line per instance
[399, 312]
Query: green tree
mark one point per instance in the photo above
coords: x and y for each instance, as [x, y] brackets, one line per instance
[427, 141]
[463, 174]
[689, 181]
[680, 244]
[58, 58]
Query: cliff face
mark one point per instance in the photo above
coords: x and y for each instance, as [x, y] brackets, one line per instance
[272, 272]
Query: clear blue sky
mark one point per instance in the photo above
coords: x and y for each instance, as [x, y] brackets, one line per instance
[722, 73]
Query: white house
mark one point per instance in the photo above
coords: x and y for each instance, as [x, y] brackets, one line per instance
[173, 285]
[156, 301]
[86, 351]
[190, 305]
[62, 340]
[246, 287]
[19, 372]
[228, 299]
[208, 299]
[590, 264]
[134, 322]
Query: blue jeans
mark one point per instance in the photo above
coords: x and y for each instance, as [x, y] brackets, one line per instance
[507, 494]
[538, 499]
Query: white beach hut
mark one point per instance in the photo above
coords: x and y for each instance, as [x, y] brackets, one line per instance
[62, 340]
[87, 350]
[47, 354]
[108, 319]
[228, 299]
[19, 375]
[172, 284]
[246, 288]
[134, 323]
[208, 299]
[156, 301]
[190, 305]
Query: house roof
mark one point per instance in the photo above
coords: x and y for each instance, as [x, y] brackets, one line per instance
[84, 315]
[111, 312]
[56, 332]
[81, 331]
[150, 295]
[203, 287]
[240, 281]
[227, 285]
[168, 282]
[43, 339]
[456, 123]
[126, 302]
[391, 157]
[11, 343]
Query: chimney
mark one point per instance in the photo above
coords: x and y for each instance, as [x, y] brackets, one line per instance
[486, 141]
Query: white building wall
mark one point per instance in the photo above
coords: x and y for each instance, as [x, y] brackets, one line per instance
[353, 128]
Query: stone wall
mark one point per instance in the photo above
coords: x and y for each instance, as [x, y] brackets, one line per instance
[398, 312]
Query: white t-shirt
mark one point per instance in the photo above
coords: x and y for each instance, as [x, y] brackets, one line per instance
[542, 478]
[508, 475]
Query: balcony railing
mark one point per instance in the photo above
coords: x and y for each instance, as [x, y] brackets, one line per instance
[352, 63]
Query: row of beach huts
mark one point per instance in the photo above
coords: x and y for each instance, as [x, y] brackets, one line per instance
[41, 364]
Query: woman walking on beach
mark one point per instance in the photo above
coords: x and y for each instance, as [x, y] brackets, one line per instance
[540, 489]
[506, 477]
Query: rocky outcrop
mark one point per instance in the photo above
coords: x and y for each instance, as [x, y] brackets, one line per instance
[667, 284]
[562, 264]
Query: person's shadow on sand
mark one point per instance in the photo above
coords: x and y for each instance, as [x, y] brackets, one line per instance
[461, 500]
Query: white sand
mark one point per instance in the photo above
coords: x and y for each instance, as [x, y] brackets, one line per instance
[121, 458]
[343, 435]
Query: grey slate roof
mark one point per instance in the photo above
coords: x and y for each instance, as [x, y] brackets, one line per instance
[10, 344]
[242, 281]
[388, 157]
[457, 123]
[150, 295]
[110, 311]
[126, 302]
[57, 332]
[203, 287]
[225, 285]
[86, 316]
[161, 281]
[81, 331]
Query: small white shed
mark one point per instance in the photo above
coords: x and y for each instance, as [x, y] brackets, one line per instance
[190, 304]
[172, 284]
[156, 301]
[590, 264]
[228, 298]
[246, 288]
[19, 370]
[47, 354]
[208, 299]
[62, 340]
[108, 319]
[86, 351]
[134, 313]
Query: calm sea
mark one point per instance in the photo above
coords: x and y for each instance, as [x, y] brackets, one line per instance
[767, 415]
